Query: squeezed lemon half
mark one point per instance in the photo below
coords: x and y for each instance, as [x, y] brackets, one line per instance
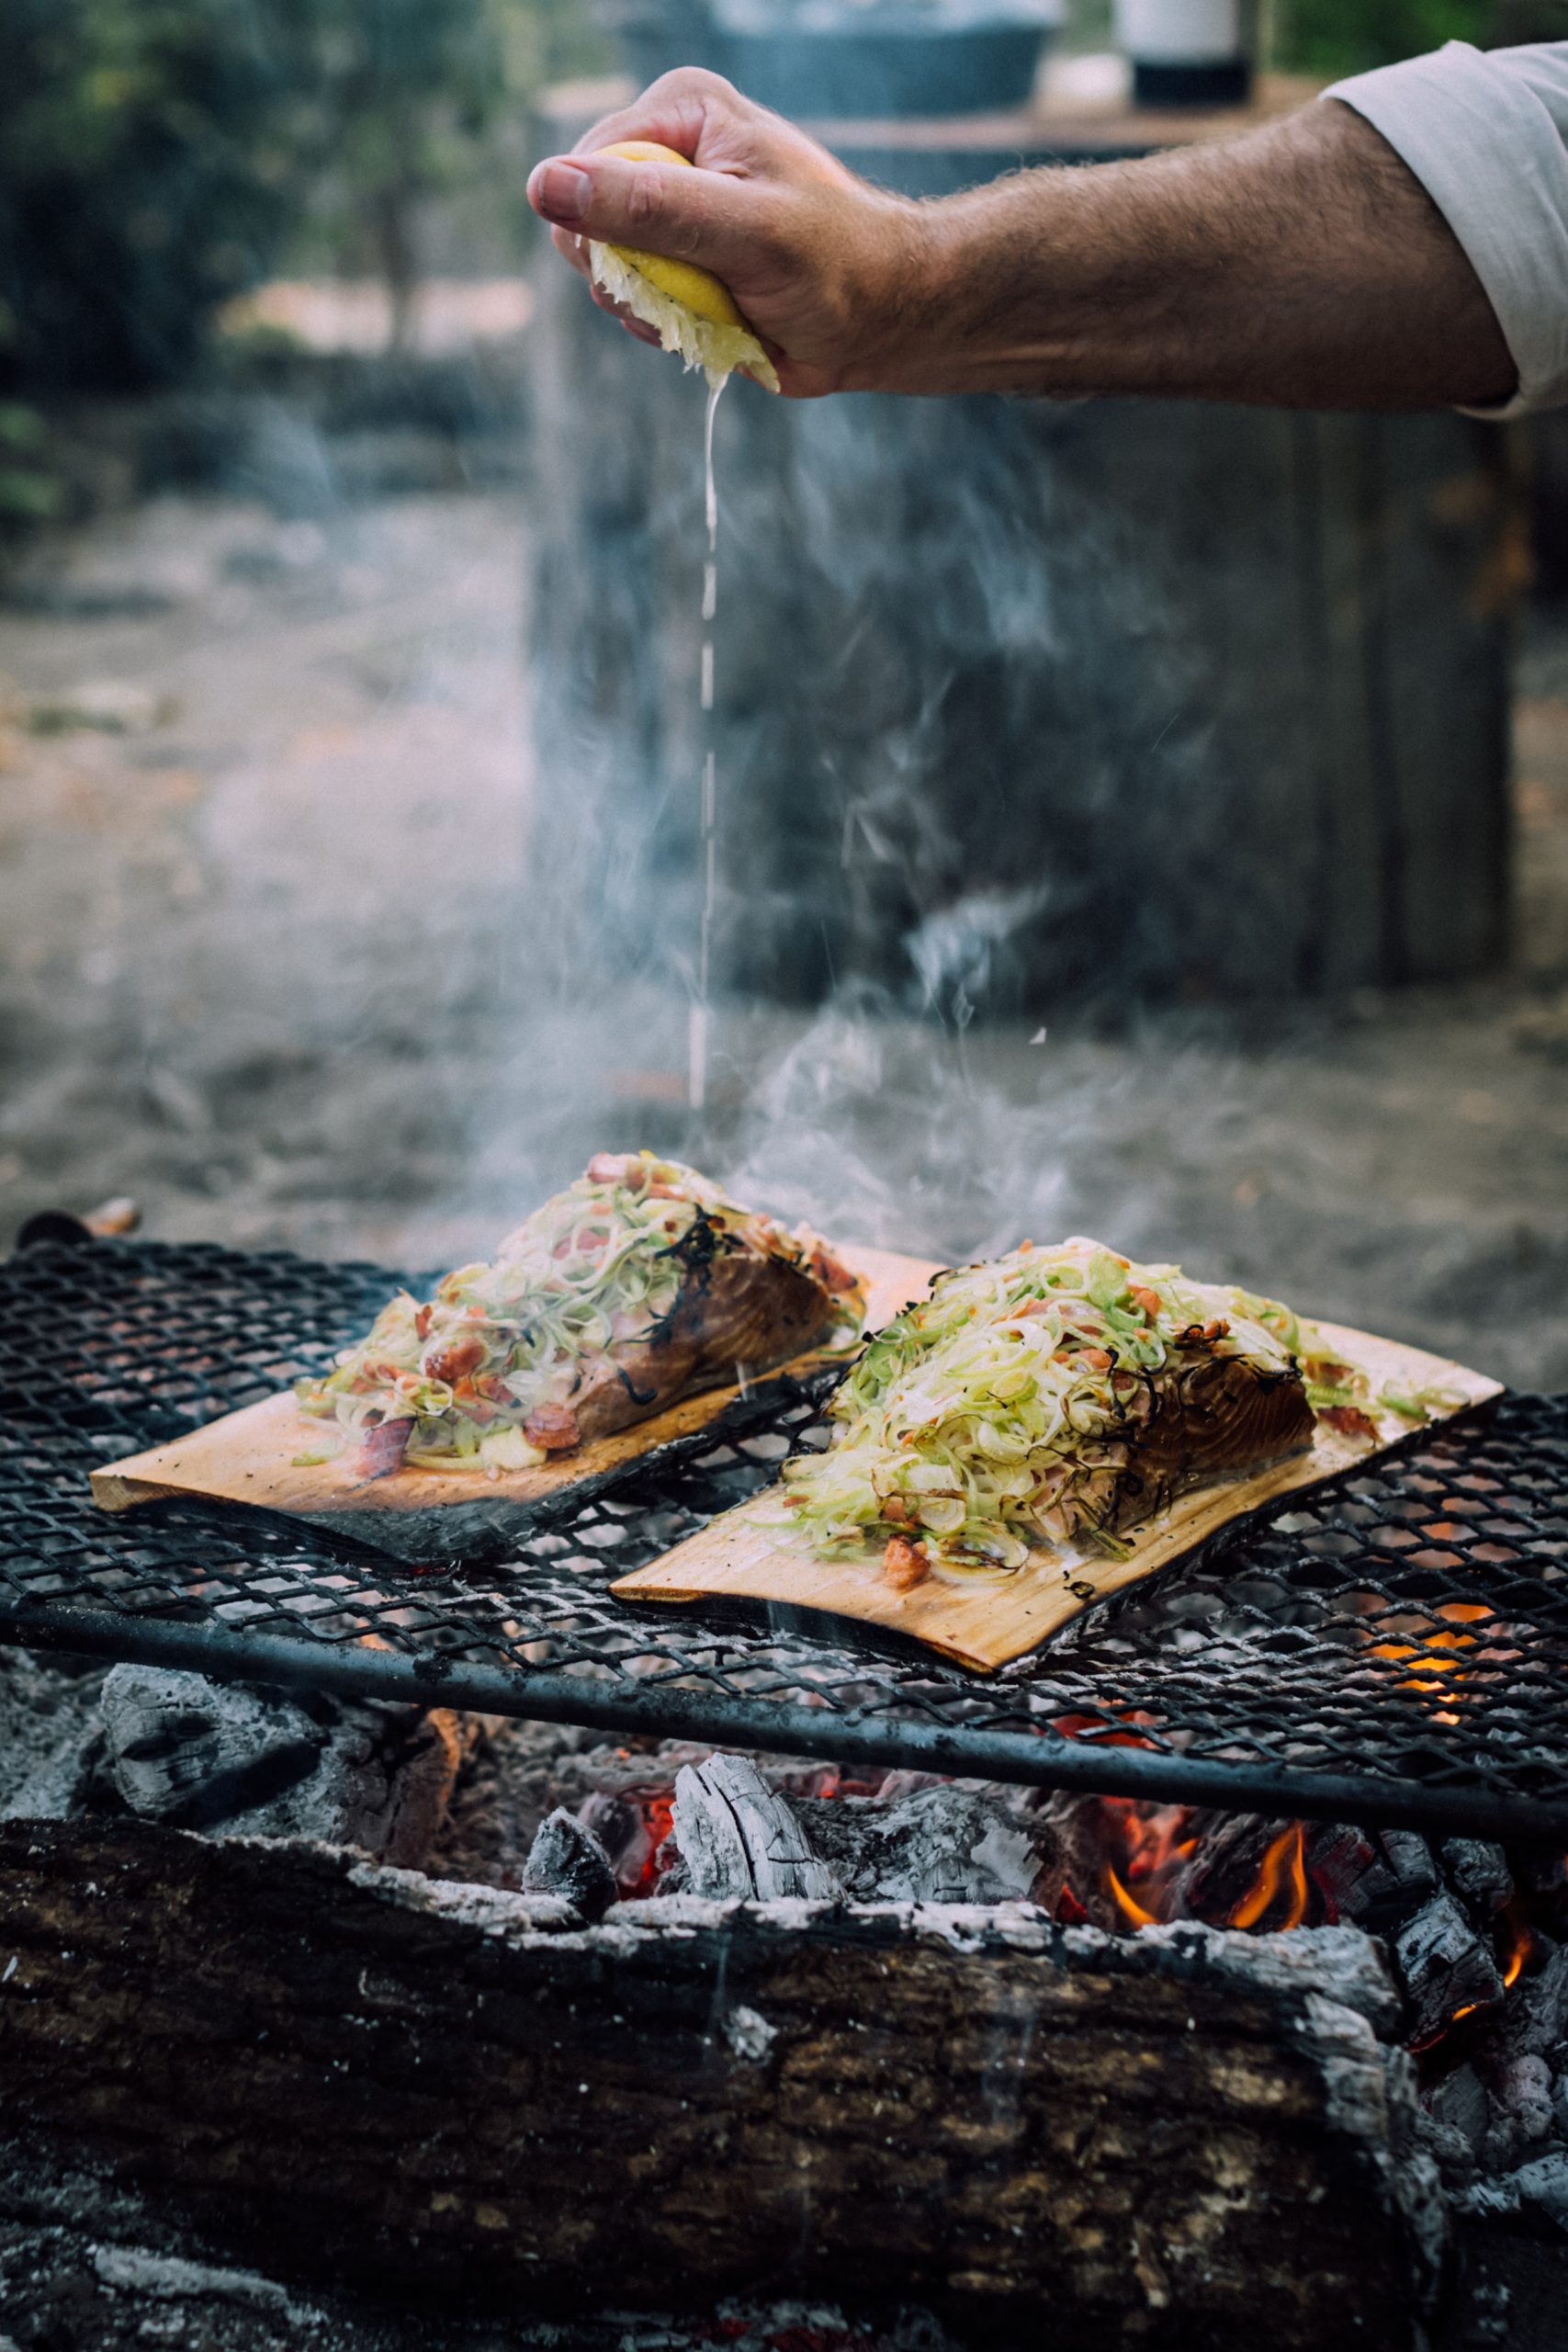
[692, 310]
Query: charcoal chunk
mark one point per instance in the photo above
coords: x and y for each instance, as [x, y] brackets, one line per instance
[245, 1759]
[1544, 2184]
[1402, 1876]
[1478, 1872]
[1444, 1966]
[1459, 2101]
[566, 1859]
[1338, 1859]
[1538, 2012]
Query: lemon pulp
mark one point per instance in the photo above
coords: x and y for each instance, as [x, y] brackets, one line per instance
[690, 310]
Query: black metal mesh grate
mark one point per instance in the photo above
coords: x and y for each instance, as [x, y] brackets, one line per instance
[1393, 1647]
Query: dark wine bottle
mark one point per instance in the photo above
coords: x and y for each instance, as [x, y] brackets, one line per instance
[1188, 52]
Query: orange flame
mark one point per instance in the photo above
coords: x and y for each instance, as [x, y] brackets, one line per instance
[1516, 1947]
[1284, 1868]
[1132, 1911]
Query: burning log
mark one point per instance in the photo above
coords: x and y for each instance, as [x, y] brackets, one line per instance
[1338, 1857]
[1513, 2066]
[943, 1844]
[1124, 1865]
[1182, 2136]
[740, 1839]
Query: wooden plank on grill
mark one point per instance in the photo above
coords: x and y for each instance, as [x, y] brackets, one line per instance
[983, 1623]
[249, 1456]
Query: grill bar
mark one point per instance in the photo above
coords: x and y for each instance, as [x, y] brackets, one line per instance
[1391, 1647]
[1042, 1760]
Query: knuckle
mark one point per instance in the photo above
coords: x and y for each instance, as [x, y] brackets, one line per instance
[694, 82]
[644, 199]
[683, 235]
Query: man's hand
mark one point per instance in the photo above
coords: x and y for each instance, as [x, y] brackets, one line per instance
[827, 270]
[1302, 266]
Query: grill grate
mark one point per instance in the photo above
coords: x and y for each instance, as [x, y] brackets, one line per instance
[1393, 1647]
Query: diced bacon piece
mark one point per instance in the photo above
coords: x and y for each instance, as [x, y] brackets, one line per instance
[835, 1277]
[904, 1564]
[619, 1167]
[421, 1321]
[1147, 1299]
[1349, 1420]
[489, 1384]
[381, 1449]
[1100, 1358]
[454, 1361]
[553, 1428]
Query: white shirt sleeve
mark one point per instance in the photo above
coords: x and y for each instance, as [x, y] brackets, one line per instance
[1486, 134]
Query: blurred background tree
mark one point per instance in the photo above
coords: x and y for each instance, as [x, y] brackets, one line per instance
[145, 174]
[158, 157]
[412, 99]
[400, 95]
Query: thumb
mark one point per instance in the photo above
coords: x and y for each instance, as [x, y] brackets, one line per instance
[709, 217]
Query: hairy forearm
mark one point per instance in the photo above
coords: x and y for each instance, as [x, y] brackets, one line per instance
[1300, 265]
[1303, 266]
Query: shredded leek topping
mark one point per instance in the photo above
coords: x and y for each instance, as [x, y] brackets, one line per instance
[489, 1366]
[998, 1416]
[1343, 1393]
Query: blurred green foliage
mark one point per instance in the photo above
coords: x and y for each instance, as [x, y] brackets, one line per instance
[144, 175]
[157, 156]
[1349, 36]
[30, 489]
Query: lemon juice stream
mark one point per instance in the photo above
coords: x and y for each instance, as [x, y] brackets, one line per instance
[707, 832]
